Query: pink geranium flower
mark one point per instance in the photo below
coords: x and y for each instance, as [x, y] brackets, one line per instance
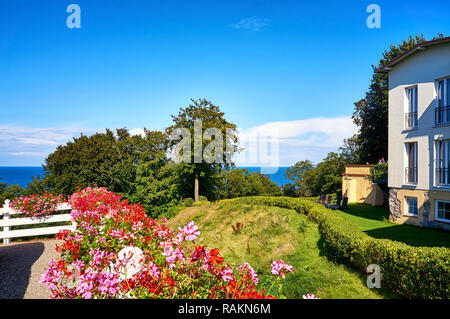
[252, 272]
[310, 296]
[281, 268]
[227, 274]
[190, 231]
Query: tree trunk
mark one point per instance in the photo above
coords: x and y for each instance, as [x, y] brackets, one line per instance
[196, 187]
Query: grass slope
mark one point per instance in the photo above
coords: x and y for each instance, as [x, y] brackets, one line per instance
[271, 233]
[374, 221]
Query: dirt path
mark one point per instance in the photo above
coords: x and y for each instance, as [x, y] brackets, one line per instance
[21, 266]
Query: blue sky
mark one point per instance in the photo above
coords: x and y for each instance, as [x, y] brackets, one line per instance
[134, 63]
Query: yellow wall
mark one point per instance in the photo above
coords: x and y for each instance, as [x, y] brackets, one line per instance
[426, 205]
[358, 186]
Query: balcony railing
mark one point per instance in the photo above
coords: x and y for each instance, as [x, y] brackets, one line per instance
[442, 176]
[411, 175]
[411, 120]
[380, 173]
[442, 115]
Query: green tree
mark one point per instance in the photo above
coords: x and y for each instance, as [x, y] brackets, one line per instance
[156, 186]
[371, 112]
[10, 192]
[290, 190]
[263, 185]
[240, 183]
[37, 186]
[104, 159]
[297, 173]
[326, 177]
[350, 151]
[201, 168]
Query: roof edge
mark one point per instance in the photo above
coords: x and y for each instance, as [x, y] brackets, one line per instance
[418, 47]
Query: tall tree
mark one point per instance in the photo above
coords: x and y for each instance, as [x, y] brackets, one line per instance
[297, 173]
[371, 112]
[104, 159]
[350, 151]
[207, 156]
[326, 177]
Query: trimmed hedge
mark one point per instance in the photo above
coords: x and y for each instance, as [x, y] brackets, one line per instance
[412, 272]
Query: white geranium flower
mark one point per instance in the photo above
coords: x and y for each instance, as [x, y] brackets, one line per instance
[129, 261]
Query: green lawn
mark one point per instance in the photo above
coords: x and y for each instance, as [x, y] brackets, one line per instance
[374, 221]
[272, 233]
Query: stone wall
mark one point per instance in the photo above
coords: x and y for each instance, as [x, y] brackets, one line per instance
[395, 205]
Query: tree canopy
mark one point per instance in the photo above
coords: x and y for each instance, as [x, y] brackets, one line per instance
[371, 112]
[207, 156]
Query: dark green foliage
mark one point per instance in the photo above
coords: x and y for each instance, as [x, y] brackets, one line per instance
[203, 172]
[241, 182]
[101, 159]
[10, 192]
[297, 174]
[209, 179]
[412, 272]
[290, 190]
[323, 178]
[187, 202]
[156, 187]
[371, 112]
[326, 178]
[135, 166]
[37, 186]
[350, 151]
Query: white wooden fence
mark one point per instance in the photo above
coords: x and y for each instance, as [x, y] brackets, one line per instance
[7, 223]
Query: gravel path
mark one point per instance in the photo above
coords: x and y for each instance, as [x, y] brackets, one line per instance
[21, 266]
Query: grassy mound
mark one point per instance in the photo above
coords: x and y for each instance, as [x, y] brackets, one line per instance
[261, 234]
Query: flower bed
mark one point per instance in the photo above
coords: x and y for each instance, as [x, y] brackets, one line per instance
[37, 205]
[116, 251]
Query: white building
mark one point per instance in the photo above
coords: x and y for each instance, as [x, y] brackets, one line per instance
[419, 135]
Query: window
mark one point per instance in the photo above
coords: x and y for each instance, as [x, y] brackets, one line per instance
[443, 211]
[442, 174]
[411, 163]
[443, 102]
[411, 206]
[411, 111]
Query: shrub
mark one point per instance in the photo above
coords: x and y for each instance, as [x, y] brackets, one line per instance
[412, 272]
[116, 251]
[187, 202]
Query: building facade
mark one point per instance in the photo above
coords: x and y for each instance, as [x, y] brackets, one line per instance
[419, 135]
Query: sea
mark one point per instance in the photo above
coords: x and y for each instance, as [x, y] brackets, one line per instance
[22, 175]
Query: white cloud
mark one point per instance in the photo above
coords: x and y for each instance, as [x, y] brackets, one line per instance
[287, 141]
[253, 24]
[137, 131]
[292, 141]
[22, 145]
